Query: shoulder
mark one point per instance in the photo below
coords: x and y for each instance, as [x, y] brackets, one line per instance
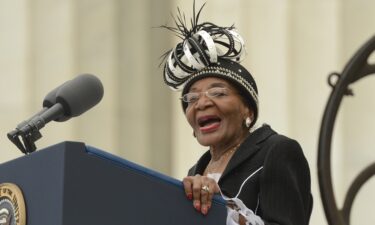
[282, 146]
[285, 155]
[278, 149]
[283, 142]
[269, 141]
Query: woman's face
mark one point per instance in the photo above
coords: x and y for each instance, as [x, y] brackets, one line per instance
[217, 121]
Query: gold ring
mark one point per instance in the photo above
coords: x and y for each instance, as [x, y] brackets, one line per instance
[205, 188]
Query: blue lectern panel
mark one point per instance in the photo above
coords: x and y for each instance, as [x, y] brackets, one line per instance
[71, 184]
[40, 176]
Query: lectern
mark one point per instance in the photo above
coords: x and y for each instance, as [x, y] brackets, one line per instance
[74, 184]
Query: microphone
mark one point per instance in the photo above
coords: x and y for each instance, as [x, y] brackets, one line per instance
[49, 100]
[68, 100]
[79, 95]
[72, 98]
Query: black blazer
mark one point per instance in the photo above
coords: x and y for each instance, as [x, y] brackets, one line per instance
[280, 191]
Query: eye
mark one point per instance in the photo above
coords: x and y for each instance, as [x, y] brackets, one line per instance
[190, 97]
[217, 92]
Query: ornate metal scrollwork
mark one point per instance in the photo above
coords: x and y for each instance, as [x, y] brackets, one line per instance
[357, 68]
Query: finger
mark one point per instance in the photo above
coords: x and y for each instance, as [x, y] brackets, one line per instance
[207, 196]
[188, 183]
[197, 185]
[209, 199]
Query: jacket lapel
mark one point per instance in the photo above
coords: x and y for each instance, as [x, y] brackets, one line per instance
[248, 148]
[202, 164]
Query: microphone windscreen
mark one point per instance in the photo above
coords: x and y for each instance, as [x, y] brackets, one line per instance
[50, 98]
[80, 94]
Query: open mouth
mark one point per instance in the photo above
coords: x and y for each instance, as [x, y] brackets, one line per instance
[209, 123]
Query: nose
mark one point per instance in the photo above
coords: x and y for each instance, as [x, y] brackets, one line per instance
[203, 102]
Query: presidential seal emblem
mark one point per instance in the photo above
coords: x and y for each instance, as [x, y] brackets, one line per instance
[12, 205]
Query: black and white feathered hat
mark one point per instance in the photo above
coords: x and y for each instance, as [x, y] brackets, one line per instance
[208, 50]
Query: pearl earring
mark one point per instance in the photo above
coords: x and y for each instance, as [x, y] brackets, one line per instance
[248, 122]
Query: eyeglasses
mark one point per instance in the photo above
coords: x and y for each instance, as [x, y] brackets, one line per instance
[211, 93]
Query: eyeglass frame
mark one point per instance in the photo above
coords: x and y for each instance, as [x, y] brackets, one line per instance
[206, 93]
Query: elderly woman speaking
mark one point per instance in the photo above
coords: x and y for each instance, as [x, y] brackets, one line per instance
[263, 175]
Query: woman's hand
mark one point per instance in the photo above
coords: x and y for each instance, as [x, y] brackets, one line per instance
[201, 190]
